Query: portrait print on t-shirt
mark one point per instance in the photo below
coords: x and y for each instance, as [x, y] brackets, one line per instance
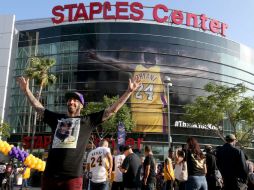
[66, 134]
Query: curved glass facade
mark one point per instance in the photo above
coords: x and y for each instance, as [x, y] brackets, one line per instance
[97, 59]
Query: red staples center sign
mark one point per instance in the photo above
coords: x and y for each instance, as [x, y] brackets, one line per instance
[135, 11]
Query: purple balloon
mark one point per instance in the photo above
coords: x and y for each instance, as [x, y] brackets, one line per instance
[17, 153]
[26, 154]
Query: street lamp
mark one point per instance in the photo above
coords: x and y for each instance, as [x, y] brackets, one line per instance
[167, 81]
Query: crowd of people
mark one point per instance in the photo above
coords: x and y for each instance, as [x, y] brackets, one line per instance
[11, 175]
[186, 168]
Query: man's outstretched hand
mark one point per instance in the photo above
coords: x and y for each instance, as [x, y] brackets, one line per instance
[24, 86]
[23, 83]
[134, 83]
[93, 55]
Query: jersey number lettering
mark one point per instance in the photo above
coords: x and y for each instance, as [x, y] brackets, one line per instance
[148, 90]
[94, 161]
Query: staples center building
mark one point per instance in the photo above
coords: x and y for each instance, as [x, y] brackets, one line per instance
[97, 48]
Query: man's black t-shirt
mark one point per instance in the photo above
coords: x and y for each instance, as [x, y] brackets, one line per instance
[149, 160]
[69, 139]
[131, 178]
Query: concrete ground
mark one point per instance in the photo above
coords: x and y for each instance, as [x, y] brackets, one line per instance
[30, 188]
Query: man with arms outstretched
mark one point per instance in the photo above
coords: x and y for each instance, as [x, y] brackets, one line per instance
[64, 164]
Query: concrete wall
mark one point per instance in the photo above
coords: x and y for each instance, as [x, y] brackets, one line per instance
[7, 23]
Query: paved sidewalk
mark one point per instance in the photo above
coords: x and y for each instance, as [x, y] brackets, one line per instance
[30, 188]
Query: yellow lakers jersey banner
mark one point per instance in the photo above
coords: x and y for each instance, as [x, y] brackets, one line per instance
[146, 102]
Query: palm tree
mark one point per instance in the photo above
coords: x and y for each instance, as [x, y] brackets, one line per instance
[38, 70]
[4, 129]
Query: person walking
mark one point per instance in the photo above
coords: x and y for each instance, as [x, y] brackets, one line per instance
[130, 169]
[196, 166]
[99, 163]
[70, 135]
[211, 169]
[149, 166]
[232, 165]
[168, 170]
[181, 174]
[118, 176]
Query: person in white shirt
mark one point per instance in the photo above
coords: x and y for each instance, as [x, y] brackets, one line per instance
[118, 177]
[181, 173]
[99, 163]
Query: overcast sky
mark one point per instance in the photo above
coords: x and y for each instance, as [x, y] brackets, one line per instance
[237, 14]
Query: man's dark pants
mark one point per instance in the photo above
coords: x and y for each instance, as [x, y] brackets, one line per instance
[99, 186]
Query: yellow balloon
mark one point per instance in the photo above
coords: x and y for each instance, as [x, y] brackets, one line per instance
[5, 153]
[38, 166]
[9, 148]
[4, 149]
[43, 168]
[25, 162]
[36, 161]
[32, 162]
[1, 144]
[28, 159]
[26, 174]
[29, 163]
